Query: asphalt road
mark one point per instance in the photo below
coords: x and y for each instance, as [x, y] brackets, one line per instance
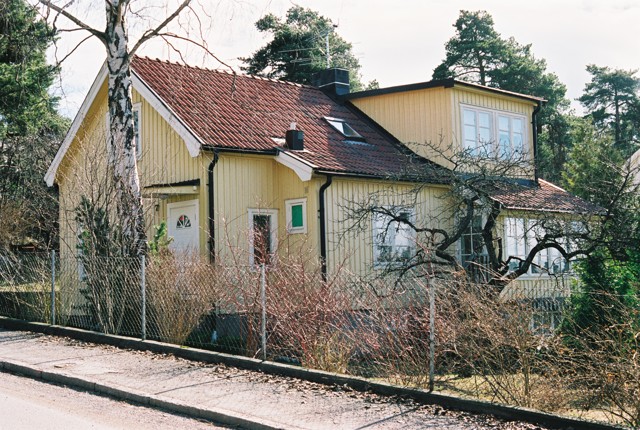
[26, 404]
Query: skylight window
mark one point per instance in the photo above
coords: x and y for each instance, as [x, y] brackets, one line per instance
[344, 128]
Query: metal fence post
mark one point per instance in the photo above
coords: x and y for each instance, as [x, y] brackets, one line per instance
[53, 287]
[263, 300]
[143, 290]
[432, 335]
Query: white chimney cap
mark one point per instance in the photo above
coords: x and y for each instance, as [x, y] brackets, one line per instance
[293, 126]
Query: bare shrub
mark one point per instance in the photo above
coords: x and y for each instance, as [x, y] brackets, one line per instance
[396, 333]
[309, 318]
[404, 347]
[493, 342]
[25, 286]
[181, 289]
[604, 361]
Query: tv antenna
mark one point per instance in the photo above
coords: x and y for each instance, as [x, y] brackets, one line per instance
[327, 48]
[334, 26]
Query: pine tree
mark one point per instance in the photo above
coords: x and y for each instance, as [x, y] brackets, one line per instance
[30, 128]
[613, 103]
[478, 53]
[298, 48]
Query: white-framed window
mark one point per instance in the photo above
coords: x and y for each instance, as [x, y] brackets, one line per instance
[478, 135]
[521, 235]
[137, 134]
[472, 249]
[296, 215]
[263, 235]
[547, 314]
[511, 133]
[80, 254]
[488, 132]
[394, 240]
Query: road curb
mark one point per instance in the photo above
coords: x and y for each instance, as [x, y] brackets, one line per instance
[512, 413]
[217, 415]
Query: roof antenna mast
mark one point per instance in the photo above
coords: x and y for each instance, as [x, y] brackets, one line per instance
[327, 45]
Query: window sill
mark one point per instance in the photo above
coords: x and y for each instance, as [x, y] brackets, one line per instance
[532, 276]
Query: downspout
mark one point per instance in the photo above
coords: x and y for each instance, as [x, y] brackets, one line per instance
[534, 124]
[323, 227]
[212, 224]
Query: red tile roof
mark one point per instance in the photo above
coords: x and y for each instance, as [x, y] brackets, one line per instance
[544, 197]
[245, 112]
[231, 111]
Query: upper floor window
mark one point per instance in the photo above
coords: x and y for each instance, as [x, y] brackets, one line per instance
[137, 108]
[510, 136]
[478, 131]
[393, 238]
[493, 133]
[137, 138]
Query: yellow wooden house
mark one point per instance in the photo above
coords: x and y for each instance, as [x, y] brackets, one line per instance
[221, 156]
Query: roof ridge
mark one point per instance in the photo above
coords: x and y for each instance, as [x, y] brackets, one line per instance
[224, 71]
[552, 185]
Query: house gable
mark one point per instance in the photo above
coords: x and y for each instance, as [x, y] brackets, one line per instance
[192, 142]
[50, 176]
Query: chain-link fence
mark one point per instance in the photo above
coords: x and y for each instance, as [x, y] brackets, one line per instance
[444, 334]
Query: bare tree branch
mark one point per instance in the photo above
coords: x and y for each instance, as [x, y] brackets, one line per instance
[60, 10]
[202, 46]
[59, 62]
[155, 31]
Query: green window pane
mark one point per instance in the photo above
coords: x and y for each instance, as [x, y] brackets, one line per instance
[296, 216]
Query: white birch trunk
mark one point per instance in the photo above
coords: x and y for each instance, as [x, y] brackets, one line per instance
[122, 151]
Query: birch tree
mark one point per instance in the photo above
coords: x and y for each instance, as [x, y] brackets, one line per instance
[119, 53]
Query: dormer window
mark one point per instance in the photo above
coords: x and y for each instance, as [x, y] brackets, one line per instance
[491, 133]
[342, 127]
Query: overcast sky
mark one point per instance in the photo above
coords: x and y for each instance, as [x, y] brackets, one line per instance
[402, 41]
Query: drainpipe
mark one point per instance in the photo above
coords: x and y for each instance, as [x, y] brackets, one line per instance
[212, 225]
[323, 227]
[534, 124]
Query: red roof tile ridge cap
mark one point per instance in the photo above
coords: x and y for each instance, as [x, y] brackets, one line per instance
[277, 81]
[188, 66]
[225, 71]
[552, 185]
[531, 209]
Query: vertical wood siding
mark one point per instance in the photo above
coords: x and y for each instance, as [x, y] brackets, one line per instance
[82, 171]
[417, 118]
[244, 182]
[165, 158]
[432, 116]
[349, 240]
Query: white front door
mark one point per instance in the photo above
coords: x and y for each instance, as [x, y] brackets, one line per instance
[183, 227]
